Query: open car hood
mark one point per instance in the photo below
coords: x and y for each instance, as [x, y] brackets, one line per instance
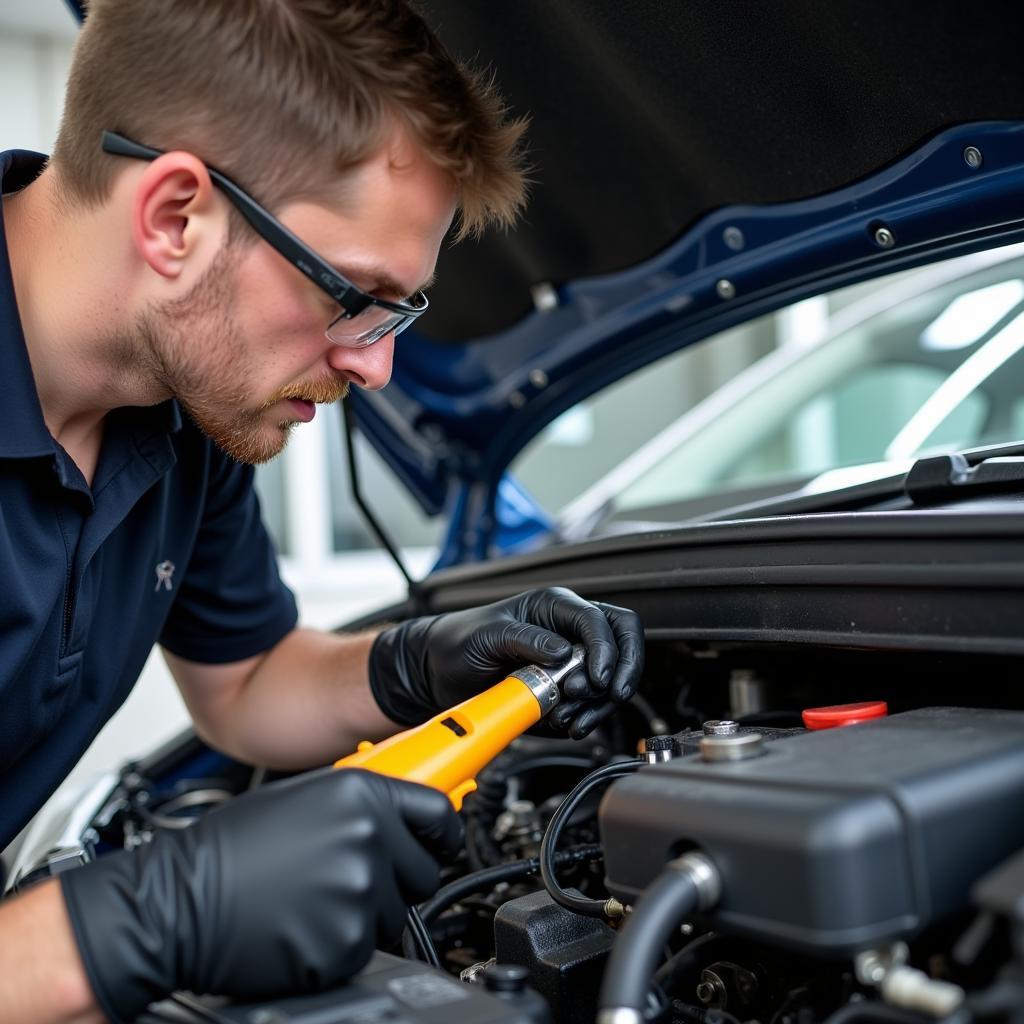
[694, 165]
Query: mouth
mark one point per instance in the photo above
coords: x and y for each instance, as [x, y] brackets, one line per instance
[304, 410]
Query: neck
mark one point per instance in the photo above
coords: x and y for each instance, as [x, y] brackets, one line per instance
[72, 282]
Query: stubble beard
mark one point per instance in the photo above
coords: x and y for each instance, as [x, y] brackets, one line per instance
[197, 352]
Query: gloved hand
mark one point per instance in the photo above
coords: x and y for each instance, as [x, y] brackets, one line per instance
[284, 890]
[423, 666]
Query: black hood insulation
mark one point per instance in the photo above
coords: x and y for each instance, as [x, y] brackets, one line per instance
[646, 114]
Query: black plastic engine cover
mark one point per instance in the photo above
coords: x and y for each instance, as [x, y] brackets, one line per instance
[564, 952]
[833, 841]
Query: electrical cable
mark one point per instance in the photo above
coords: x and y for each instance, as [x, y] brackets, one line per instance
[417, 928]
[688, 884]
[513, 871]
[577, 904]
[532, 764]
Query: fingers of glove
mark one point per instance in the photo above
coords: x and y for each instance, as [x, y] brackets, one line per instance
[417, 873]
[576, 685]
[560, 718]
[590, 716]
[629, 635]
[429, 816]
[523, 643]
[580, 621]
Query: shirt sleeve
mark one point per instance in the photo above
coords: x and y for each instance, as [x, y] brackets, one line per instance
[232, 603]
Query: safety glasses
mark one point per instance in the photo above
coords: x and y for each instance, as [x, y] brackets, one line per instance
[363, 319]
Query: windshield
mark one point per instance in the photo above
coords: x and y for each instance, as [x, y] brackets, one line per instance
[833, 390]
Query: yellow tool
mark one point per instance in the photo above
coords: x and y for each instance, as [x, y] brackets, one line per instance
[448, 751]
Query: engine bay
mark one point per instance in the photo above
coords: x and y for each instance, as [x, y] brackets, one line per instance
[873, 871]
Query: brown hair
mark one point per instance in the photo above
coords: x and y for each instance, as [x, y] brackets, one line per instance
[284, 96]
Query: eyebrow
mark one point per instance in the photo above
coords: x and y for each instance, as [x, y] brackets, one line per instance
[379, 280]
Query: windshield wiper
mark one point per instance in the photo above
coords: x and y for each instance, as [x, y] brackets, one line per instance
[929, 481]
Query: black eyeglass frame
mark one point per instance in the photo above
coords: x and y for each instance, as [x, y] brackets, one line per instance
[350, 298]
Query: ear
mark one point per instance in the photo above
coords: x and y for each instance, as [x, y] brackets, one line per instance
[177, 222]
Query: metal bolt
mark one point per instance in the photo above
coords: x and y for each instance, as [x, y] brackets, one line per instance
[711, 990]
[872, 965]
[538, 378]
[884, 237]
[726, 289]
[732, 748]
[973, 157]
[733, 238]
[720, 727]
[614, 910]
[659, 748]
[517, 399]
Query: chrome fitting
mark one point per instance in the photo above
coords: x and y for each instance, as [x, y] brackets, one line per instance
[904, 987]
[543, 682]
[703, 874]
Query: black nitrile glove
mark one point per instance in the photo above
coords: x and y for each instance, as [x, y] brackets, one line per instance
[421, 667]
[284, 890]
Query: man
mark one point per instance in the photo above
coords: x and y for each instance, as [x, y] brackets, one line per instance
[231, 181]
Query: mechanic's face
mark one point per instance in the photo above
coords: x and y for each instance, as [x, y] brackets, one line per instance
[245, 351]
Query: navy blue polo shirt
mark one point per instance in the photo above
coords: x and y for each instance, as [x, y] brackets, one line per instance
[166, 546]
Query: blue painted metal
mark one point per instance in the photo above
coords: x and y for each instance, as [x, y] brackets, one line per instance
[454, 416]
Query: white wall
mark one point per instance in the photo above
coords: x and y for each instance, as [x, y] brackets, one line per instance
[35, 52]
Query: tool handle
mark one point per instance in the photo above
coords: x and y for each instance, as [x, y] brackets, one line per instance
[449, 751]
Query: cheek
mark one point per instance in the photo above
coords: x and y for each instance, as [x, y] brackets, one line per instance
[280, 324]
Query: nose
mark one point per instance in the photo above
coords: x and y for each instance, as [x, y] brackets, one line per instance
[369, 367]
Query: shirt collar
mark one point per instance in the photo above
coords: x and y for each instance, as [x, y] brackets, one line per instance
[23, 431]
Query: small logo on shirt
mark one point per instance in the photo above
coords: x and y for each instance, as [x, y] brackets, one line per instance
[164, 572]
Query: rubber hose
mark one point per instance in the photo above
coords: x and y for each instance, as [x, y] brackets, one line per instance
[671, 897]
[548, 845]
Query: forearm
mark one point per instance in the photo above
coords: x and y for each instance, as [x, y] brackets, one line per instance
[42, 980]
[303, 704]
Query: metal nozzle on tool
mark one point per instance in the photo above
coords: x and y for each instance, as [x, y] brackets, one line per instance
[543, 682]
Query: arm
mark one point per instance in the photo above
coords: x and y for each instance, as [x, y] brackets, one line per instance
[303, 703]
[42, 979]
[314, 696]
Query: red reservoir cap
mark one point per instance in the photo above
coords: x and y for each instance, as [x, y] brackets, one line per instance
[844, 714]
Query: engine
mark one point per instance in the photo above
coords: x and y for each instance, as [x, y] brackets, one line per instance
[721, 853]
